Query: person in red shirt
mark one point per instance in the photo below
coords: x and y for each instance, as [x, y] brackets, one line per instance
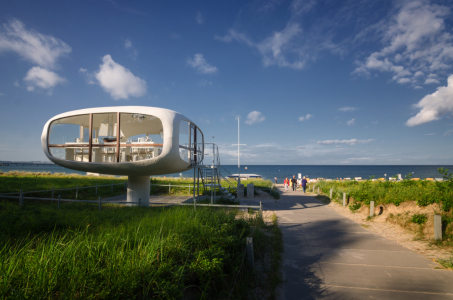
[286, 183]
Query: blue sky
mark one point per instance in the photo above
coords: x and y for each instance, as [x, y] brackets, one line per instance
[314, 82]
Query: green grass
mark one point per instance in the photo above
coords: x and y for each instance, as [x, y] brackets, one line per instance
[122, 253]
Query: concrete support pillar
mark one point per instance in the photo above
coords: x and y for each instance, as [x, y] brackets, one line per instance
[138, 187]
[250, 190]
[240, 190]
[438, 227]
[371, 209]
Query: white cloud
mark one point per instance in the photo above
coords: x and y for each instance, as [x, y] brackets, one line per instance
[346, 109]
[43, 50]
[118, 81]
[199, 63]
[127, 44]
[305, 118]
[416, 43]
[42, 78]
[434, 106]
[254, 117]
[82, 70]
[449, 132]
[351, 122]
[199, 18]
[431, 80]
[16, 83]
[347, 142]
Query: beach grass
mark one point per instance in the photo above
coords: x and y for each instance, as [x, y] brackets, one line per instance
[122, 253]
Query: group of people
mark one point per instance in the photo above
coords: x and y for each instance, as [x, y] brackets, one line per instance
[293, 183]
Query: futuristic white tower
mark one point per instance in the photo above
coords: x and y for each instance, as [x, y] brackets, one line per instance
[136, 141]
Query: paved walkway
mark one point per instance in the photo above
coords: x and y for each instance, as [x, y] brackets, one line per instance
[328, 256]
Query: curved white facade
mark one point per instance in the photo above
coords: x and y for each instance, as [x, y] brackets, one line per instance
[123, 140]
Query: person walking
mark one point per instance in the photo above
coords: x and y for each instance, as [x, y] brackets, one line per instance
[294, 182]
[286, 182]
[304, 184]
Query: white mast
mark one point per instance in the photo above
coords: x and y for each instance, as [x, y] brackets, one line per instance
[239, 154]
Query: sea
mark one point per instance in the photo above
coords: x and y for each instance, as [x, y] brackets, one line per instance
[283, 171]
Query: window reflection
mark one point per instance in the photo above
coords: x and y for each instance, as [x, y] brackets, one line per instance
[104, 135]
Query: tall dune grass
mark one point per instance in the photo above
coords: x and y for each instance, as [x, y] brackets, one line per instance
[120, 253]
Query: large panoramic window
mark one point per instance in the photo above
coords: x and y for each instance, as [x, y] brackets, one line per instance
[141, 137]
[68, 138]
[190, 142]
[138, 137]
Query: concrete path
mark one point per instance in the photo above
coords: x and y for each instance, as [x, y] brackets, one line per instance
[328, 256]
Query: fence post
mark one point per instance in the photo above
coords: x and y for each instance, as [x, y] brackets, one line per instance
[100, 204]
[59, 198]
[111, 189]
[96, 189]
[344, 199]
[261, 210]
[77, 191]
[250, 256]
[53, 192]
[169, 188]
[21, 198]
[139, 202]
[438, 227]
[371, 208]
[330, 193]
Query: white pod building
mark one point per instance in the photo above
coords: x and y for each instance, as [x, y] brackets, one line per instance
[136, 141]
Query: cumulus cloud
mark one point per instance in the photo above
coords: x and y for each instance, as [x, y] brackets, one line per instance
[118, 81]
[351, 122]
[41, 78]
[346, 109]
[350, 142]
[199, 63]
[416, 43]
[305, 118]
[254, 117]
[434, 106]
[199, 18]
[43, 50]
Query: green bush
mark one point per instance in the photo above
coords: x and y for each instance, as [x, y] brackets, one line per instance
[419, 218]
[355, 206]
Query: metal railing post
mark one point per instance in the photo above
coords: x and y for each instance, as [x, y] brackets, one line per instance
[59, 200]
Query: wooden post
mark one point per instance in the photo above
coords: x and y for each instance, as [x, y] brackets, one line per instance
[77, 191]
[438, 227]
[371, 209]
[331, 193]
[344, 199]
[250, 256]
[59, 198]
[21, 198]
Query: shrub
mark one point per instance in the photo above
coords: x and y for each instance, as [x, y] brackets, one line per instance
[355, 206]
[419, 218]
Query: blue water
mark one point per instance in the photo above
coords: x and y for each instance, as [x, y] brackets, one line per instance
[271, 171]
